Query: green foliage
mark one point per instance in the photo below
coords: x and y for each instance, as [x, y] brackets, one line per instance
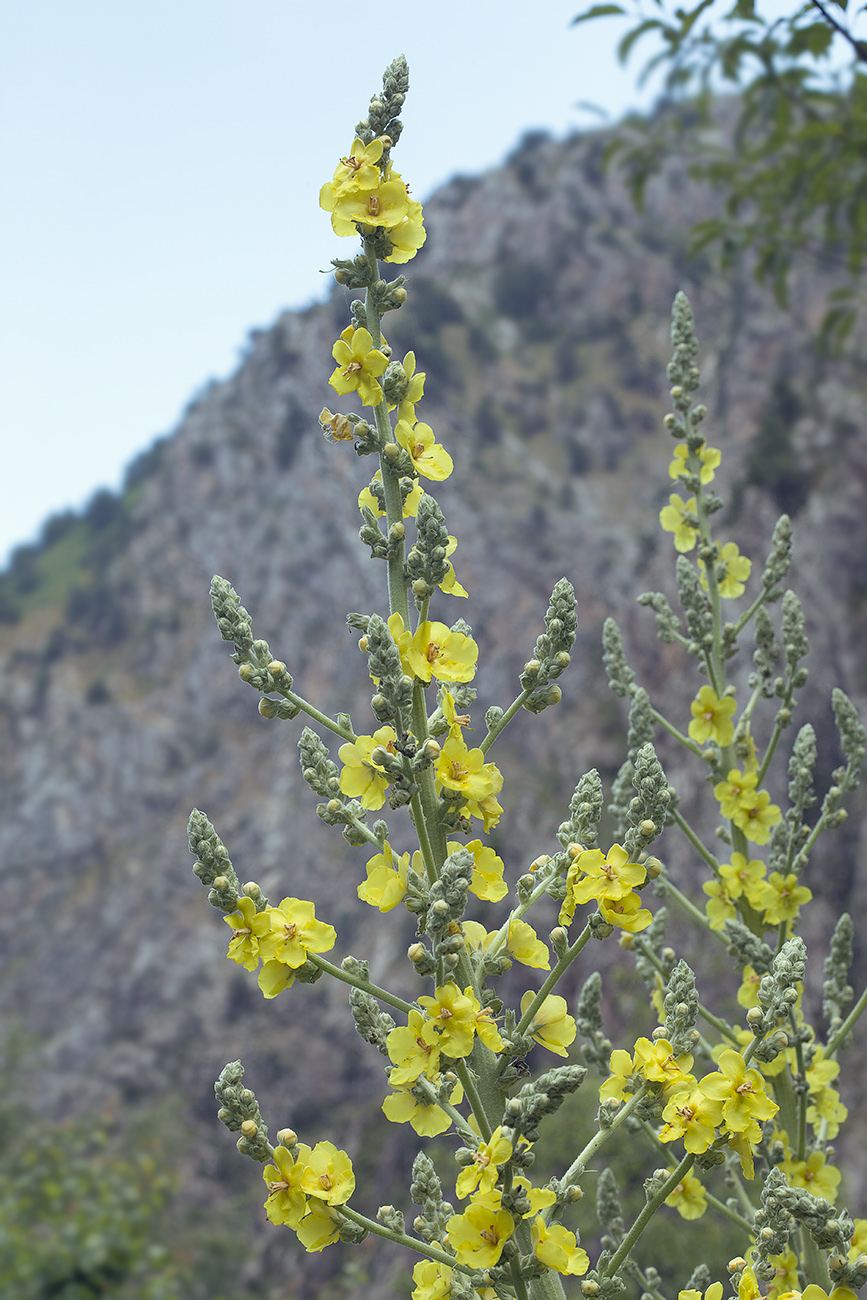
[80, 1216]
[789, 156]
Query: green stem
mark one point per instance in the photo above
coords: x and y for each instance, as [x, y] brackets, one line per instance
[696, 843]
[748, 613]
[678, 735]
[346, 733]
[565, 961]
[836, 1039]
[457, 1118]
[401, 1239]
[688, 906]
[382, 995]
[398, 601]
[579, 1164]
[718, 1205]
[503, 722]
[465, 1075]
[648, 1212]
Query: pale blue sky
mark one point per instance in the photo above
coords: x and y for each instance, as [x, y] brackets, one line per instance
[161, 163]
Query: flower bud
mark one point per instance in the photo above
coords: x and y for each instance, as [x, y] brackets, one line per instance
[391, 450]
[246, 672]
[248, 1128]
[276, 668]
[647, 827]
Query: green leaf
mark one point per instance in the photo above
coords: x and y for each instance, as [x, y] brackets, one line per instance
[598, 11]
[631, 37]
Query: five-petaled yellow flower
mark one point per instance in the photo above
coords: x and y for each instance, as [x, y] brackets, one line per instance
[736, 568]
[360, 777]
[479, 1234]
[359, 365]
[712, 717]
[673, 519]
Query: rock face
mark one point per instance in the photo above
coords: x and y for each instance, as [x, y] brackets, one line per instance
[539, 310]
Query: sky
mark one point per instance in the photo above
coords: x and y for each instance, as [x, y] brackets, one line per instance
[162, 161]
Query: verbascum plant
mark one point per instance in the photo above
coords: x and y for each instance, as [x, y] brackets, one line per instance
[736, 1117]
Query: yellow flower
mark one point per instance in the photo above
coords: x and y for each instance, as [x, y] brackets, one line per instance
[457, 1017]
[433, 1281]
[720, 906]
[780, 898]
[673, 519]
[359, 364]
[360, 169]
[407, 237]
[711, 717]
[274, 977]
[293, 932]
[626, 912]
[551, 1026]
[737, 787]
[859, 1239]
[755, 817]
[465, 770]
[657, 1062]
[557, 1248]
[737, 571]
[785, 1274]
[487, 882]
[415, 390]
[709, 457]
[482, 1173]
[617, 1085]
[748, 993]
[410, 505]
[693, 1117]
[488, 810]
[248, 927]
[435, 651]
[525, 946]
[414, 1049]
[539, 1197]
[286, 1200]
[337, 428]
[827, 1109]
[593, 874]
[385, 206]
[714, 1292]
[814, 1174]
[450, 584]
[320, 1226]
[429, 1120]
[813, 1292]
[429, 457]
[742, 877]
[688, 1198]
[478, 1235]
[748, 1287]
[327, 1173]
[360, 778]
[386, 882]
[520, 942]
[742, 1092]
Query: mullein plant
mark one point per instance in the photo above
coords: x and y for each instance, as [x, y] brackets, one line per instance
[737, 1117]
